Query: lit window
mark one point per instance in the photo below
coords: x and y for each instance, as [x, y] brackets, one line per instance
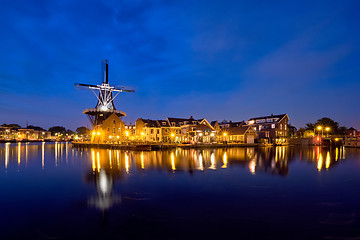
[280, 126]
[272, 125]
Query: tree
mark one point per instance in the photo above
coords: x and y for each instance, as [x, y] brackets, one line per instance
[83, 131]
[57, 129]
[326, 123]
[11, 125]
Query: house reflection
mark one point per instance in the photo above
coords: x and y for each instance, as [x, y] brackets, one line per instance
[271, 160]
[122, 163]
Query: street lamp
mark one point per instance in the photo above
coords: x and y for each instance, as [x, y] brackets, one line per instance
[224, 134]
[320, 128]
[327, 129]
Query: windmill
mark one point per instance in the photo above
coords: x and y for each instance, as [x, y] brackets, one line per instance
[105, 105]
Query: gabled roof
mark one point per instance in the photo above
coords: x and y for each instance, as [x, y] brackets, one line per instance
[203, 127]
[213, 123]
[280, 116]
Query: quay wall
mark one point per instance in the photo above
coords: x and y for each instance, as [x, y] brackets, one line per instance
[163, 146]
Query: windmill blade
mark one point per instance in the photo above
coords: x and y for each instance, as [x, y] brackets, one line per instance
[86, 85]
[123, 88]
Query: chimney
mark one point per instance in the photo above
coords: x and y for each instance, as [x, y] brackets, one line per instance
[272, 115]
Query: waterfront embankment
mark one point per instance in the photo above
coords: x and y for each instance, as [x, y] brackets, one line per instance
[142, 147]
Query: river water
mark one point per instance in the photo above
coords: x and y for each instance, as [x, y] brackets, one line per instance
[54, 191]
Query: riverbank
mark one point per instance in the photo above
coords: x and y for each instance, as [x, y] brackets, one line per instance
[148, 147]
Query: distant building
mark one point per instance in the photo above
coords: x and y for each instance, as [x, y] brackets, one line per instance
[271, 128]
[352, 132]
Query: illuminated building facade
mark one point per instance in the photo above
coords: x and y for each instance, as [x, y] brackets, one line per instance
[272, 128]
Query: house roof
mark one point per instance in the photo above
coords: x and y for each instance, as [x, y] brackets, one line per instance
[163, 123]
[203, 127]
[280, 116]
[151, 123]
[236, 130]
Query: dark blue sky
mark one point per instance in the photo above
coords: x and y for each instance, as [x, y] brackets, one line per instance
[215, 59]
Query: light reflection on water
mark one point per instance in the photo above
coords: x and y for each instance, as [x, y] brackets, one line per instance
[274, 160]
[241, 186]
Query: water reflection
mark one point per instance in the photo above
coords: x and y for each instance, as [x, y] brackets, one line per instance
[18, 154]
[105, 197]
[269, 160]
[324, 158]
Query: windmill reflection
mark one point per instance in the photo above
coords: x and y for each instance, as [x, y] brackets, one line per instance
[103, 175]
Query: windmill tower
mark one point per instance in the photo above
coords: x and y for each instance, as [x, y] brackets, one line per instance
[105, 106]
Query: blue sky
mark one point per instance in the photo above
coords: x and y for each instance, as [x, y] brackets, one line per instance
[215, 59]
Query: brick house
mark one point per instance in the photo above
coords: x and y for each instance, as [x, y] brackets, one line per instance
[272, 129]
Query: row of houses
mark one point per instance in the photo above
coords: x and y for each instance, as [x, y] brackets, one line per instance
[9, 134]
[270, 129]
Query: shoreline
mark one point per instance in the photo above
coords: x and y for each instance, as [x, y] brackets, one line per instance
[149, 147]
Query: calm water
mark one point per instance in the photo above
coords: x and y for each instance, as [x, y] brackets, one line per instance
[52, 191]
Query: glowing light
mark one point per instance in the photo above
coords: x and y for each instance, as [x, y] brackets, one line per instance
[327, 129]
[127, 166]
[224, 134]
[173, 162]
[200, 134]
[98, 161]
[336, 154]
[93, 133]
[19, 153]
[336, 139]
[117, 137]
[212, 161]
[201, 165]
[327, 162]
[6, 154]
[110, 159]
[142, 160]
[319, 127]
[42, 155]
[225, 161]
[98, 133]
[104, 183]
[103, 108]
[320, 162]
[172, 135]
[127, 133]
[56, 153]
[142, 133]
[212, 134]
[93, 160]
[110, 137]
[252, 166]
